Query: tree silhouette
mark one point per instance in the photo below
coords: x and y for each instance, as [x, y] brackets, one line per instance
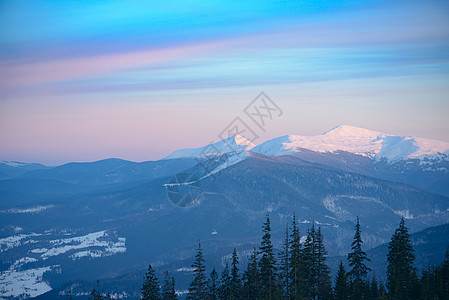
[267, 263]
[150, 288]
[197, 288]
[357, 258]
[401, 274]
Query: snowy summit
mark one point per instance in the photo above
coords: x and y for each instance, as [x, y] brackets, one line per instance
[356, 140]
[231, 144]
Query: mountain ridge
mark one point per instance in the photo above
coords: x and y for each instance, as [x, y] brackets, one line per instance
[360, 141]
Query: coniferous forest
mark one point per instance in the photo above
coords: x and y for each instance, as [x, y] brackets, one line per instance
[300, 271]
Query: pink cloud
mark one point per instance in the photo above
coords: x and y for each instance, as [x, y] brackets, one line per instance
[14, 75]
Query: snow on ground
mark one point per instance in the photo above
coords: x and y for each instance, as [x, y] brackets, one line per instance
[185, 269]
[404, 213]
[39, 250]
[229, 160]
[231, 144]
[356, 140]
[23, 282]
[181, 293]
[35, 209]
[15, 241]
[17, 229]
[26, 283]
[13, 163]
[23, 261]
[95, 239]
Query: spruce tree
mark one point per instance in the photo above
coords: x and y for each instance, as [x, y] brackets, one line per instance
[307, 267]
[341, 284]
[314, 270]
[373, 288]
[197, 288]
[225, 284]
[357, 258]
[150, 288]
[212, 285]
[95, 295]
[285, 265]
[267, 263]
[296, 280]
[168, 289]
[251, 278]
[401, 274]
[68, 294]
[443, 274]
[323, 282]
[382, 292]
[235, 282]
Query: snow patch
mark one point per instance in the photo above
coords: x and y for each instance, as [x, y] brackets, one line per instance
[95, 239]
[15, 164]
[15, 241]
[231, 144]
[404, 213]
[18, 263]
[185, 269]
[24, 284]
[35, 209]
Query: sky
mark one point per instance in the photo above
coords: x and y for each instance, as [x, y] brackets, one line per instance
[89, 80]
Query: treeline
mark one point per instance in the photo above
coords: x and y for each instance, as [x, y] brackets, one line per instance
[300, 271]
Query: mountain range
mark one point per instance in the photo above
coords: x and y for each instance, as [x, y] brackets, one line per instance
[111, 218]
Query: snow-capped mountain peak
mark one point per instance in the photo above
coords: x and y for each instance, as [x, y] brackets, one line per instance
[356, 140]
[230, 144]
[12, 163]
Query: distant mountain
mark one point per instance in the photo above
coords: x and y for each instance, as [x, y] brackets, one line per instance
[108, 234]
[111, 171]
[358, 141]
[113, 217]
[425, 173]
[231, 144]
[10, 169]
[420, 162]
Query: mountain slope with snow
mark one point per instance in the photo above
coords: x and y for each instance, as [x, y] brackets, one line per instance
[231, 144]
[358, 141]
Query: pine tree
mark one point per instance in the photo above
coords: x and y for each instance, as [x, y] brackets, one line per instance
[197, 288]
[357, 258]
[212, 285]
[401, 274]
[225, 284]
[168, 289]
[69, 294]
[307, 267]
[296, 283]
[267, 263]
[314, 270]
[285, 265]
[382, 292]
[150, 288]
[323, 282]
[434, 282]
[251, 278]
[443, 274]
[96, 295]
[373, 288]
[235, 282]
[341, 284]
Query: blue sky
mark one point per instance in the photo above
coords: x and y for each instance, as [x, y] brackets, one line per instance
[81, 80]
